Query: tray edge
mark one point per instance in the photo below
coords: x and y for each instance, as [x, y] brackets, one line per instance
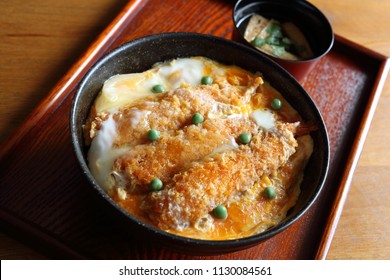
[357, 147]
[63, 89]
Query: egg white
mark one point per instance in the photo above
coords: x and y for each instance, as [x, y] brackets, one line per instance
[122, 90]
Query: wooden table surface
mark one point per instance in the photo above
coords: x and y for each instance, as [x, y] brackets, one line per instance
[40, 40]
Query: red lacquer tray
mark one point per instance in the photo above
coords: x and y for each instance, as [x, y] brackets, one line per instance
[46, 201]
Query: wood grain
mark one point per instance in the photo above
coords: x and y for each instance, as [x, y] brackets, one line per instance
[361, 232]
[43, 40]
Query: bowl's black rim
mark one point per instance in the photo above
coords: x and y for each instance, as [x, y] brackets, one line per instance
[308, 6]
[204, 245]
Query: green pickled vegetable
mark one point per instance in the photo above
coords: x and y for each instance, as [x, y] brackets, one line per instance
[258, 42]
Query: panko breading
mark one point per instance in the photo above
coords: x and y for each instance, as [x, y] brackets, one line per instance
[204, 164]
[176, 149]
[217, 179]
[170, 111]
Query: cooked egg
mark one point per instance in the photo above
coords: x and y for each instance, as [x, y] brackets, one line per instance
[124, 89]
[201, 164]
[102, 154]
[264, 118]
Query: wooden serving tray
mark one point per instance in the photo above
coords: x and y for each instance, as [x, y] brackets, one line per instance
[46, 201]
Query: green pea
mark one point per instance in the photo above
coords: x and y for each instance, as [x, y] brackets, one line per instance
[276, 104]
[258, 42]
[153, 135]
[220, 212]
[270, 192]
[244, 138]
[158, 88]
[197, 118]
[155, 185]
[206, 80]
